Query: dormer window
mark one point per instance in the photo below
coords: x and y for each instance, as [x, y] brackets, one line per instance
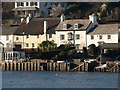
[65, 26]
[76, 26]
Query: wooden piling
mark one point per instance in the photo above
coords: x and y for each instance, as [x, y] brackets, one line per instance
[28, 66]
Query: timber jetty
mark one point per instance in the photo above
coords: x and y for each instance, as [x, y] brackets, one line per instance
[111, 66]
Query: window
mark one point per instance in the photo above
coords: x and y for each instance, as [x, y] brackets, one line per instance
[7, 37]
[77, 46]
[27, 36]
[92, 37]
[100, 37]
[109, 36]
[17, 38]
[37, 36]
[27, 45]
[77, 36]
[56, 4]
[62, 37]
[50, 35]
[31, 3]
[65, 26]
[18, 4]
[33, 45]
[22, 4]
[76, 26]
[26, 3]
[70, 36]
[36, 3]
[45, 4]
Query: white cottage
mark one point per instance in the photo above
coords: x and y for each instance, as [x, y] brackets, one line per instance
[73, 32]
[103, 33]
[6, 38]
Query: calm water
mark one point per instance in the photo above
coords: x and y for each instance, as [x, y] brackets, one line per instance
[12, 79]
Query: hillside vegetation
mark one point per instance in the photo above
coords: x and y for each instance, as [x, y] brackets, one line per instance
[107, 11]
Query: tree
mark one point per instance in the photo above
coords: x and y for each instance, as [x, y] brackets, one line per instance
[93, 50]
[47, 46]
[56, 11]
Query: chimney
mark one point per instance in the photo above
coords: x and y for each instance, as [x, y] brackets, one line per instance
[28, 18]
[45, 27]
[62, 18]
[93, 19]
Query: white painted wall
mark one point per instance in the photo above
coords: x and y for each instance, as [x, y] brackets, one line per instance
[114, 39]
[4, 41]
[32, 39]
[81, 41]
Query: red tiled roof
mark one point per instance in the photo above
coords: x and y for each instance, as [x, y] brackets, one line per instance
[36, 26]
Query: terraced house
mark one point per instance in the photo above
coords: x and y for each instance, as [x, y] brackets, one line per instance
[30, 35]
[74, 31]
[104, 33]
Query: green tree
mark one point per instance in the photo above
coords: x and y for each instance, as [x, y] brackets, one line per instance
[93, 50]
[47, 46]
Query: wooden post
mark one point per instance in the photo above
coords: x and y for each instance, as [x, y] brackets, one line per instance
[28, 66]
[25, 66]
[31, 66]
[18, 66]
[14, 66]
[68, 66]
[11, 66]
[3, 66]
[22, 68]
[86, 67]
[34, 66]
[7, 66]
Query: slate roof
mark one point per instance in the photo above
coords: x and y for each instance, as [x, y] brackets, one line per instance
[7, 30]
[36, 26]
[105, 29]
[110, 46]
[84, 23]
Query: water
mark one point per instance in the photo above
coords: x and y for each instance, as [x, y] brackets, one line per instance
[14, 79]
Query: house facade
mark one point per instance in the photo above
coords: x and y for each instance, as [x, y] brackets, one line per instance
[73, 32]
[22, 9]
[30, 35]
[103, 33]
[6, 38]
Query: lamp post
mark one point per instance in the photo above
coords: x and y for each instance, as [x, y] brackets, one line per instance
[23, 39]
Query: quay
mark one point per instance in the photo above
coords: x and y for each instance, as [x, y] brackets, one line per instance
[44, 66]
[110, 66]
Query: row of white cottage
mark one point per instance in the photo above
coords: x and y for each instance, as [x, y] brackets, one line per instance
[80, 32]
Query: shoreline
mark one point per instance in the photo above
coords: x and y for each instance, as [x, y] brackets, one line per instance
[62, 67]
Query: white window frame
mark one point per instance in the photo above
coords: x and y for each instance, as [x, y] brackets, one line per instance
[100, 37]
[77, 36]
[62, 37]
[108, 37]
[27, 44]
[92, 37]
